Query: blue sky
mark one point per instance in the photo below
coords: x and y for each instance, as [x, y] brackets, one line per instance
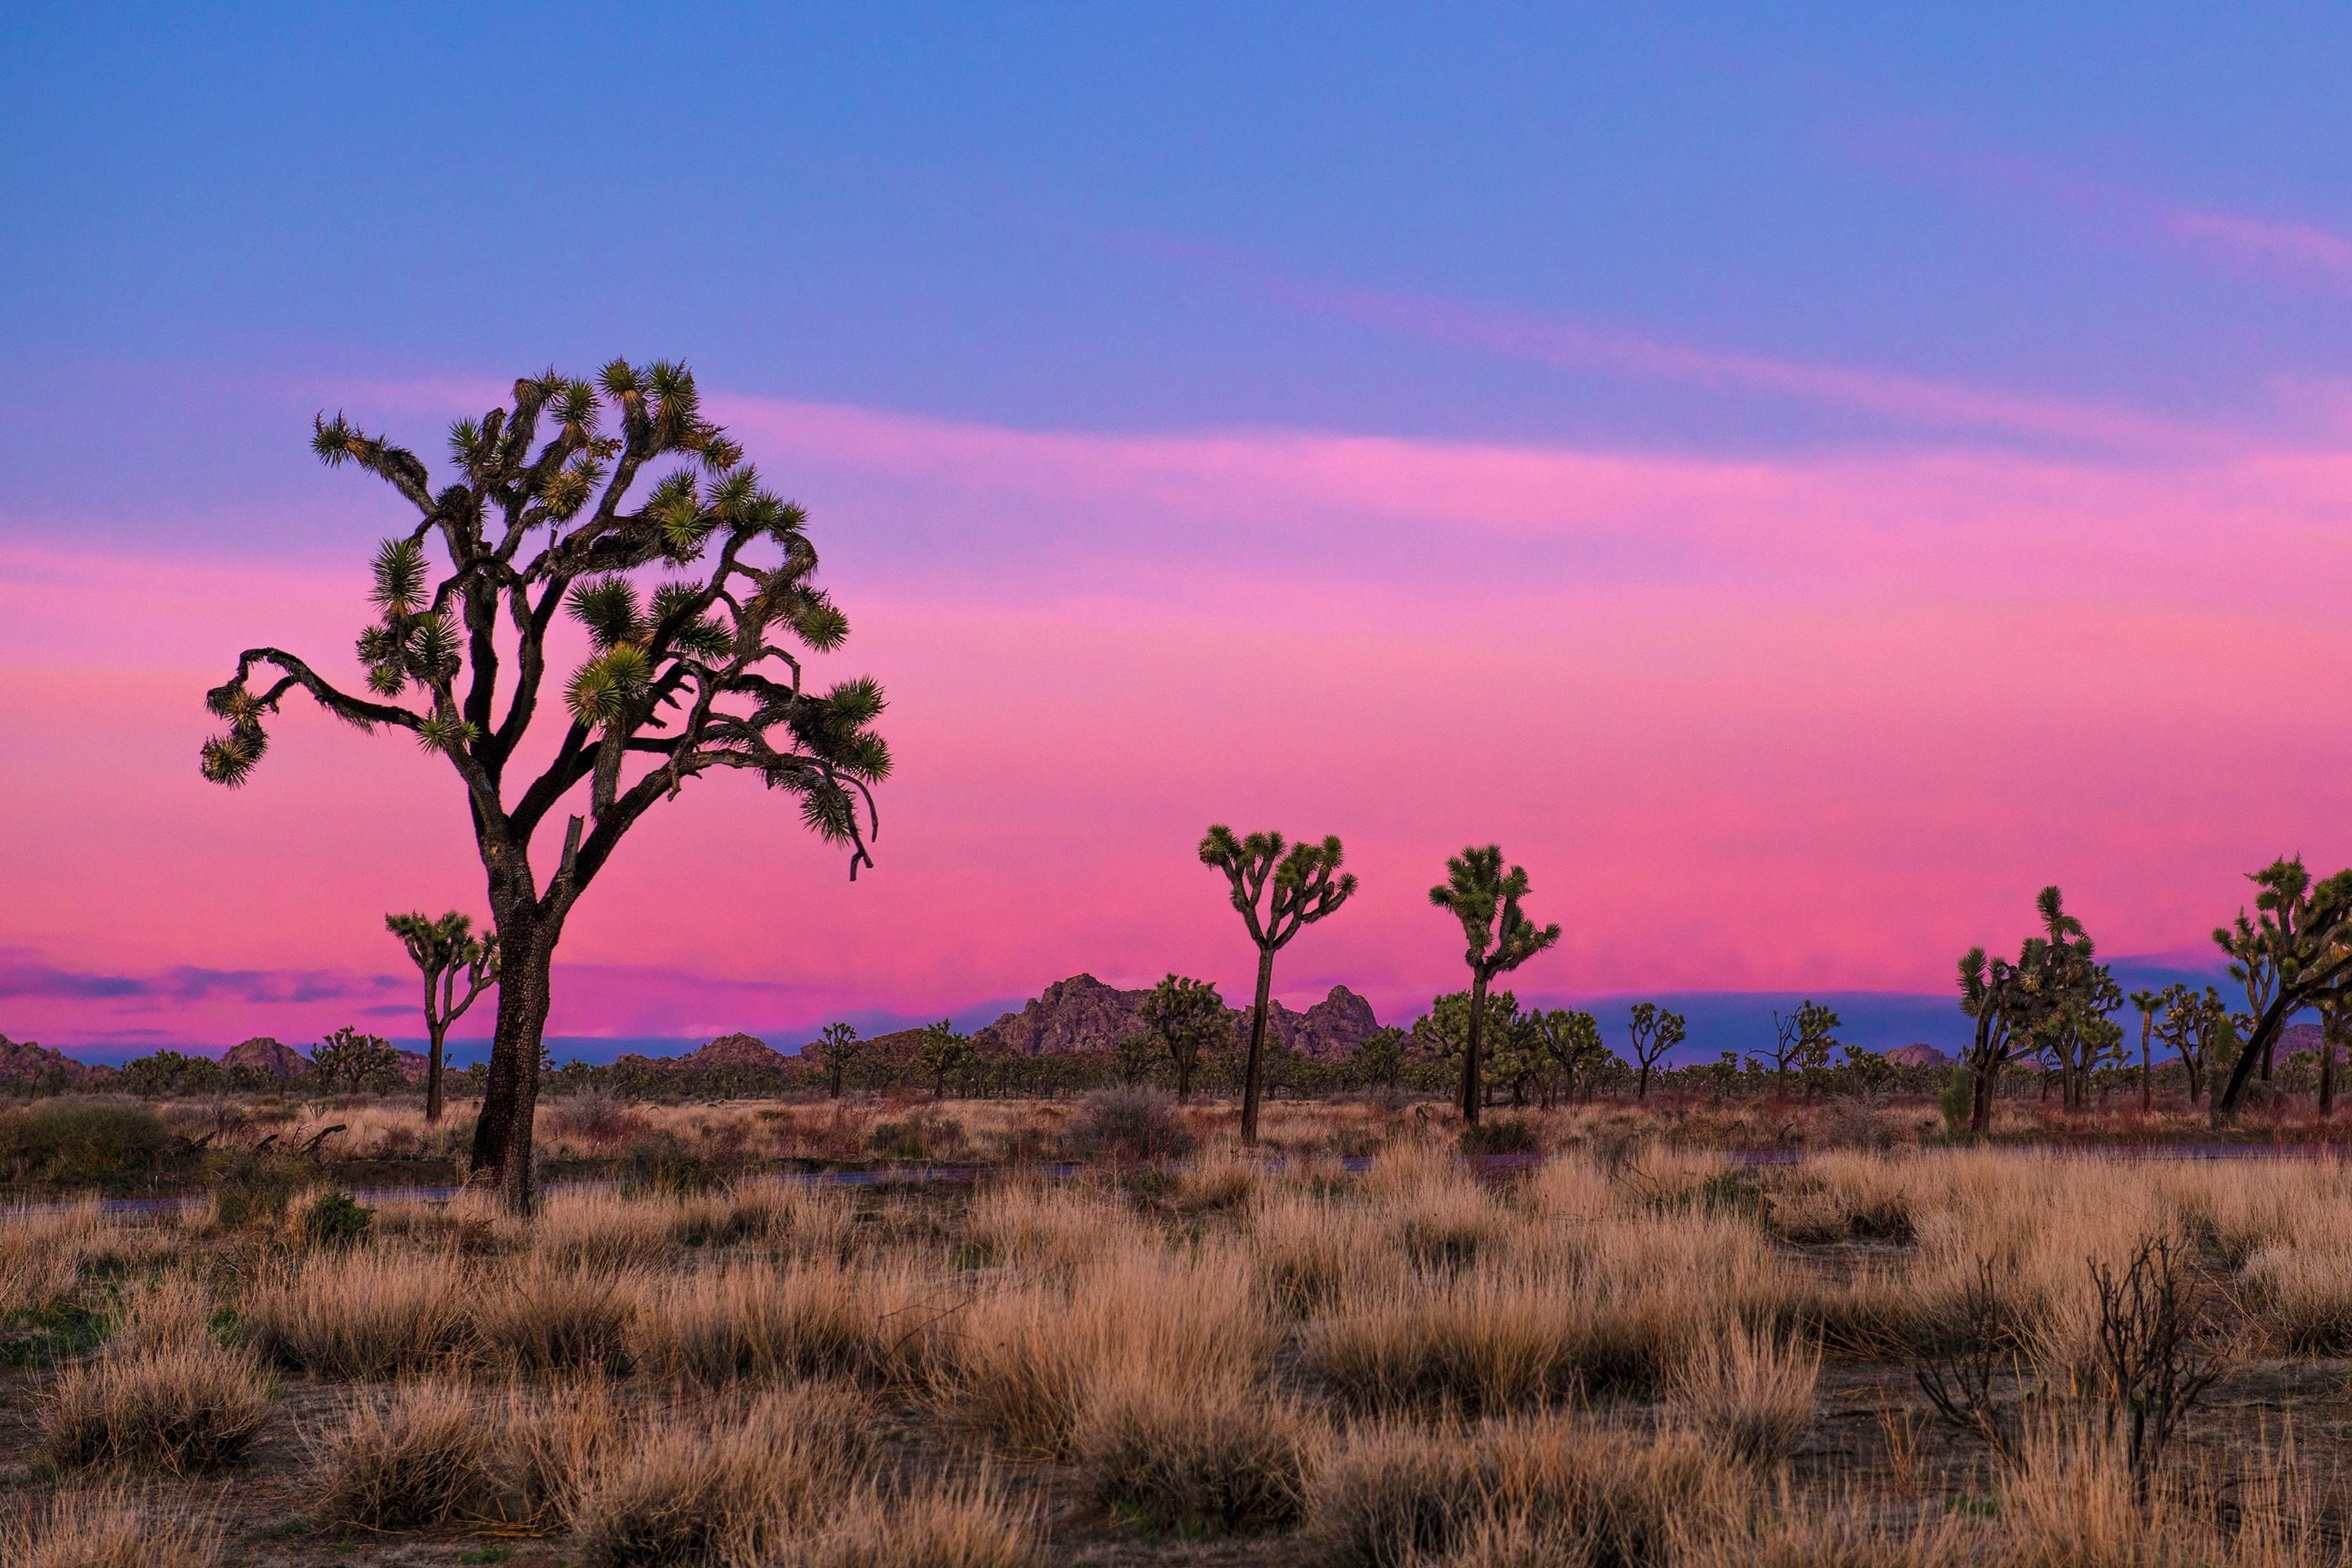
[1844, 466]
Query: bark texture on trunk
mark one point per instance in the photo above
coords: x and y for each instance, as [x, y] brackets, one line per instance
[1472, 1094]
[433, 1077]
[1257, 1045]
[503, 1133]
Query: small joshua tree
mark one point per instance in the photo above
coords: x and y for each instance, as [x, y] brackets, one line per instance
[1803, 1040]
[1569, 1041]
[836, 1047]
[945, 1049]
[350, 1060]
[444, 950]
[1307, 887]
[1478, 892]
[696, 676]
[1184, 1017]
[1654, 1032]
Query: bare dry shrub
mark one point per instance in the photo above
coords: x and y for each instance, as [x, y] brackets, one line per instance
[1840, 1535]
[420, 1458]
[365, 1314]
[738, 1492]
[546, 1318]
[106, 1528]
[955, 1527]
[1222, 1181]
[180, 1408]
[1751, 1392]
[1224, 1456]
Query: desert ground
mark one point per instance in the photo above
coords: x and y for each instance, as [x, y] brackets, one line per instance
[1353, 1347]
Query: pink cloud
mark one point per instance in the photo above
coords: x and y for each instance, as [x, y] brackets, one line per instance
[1818, 721]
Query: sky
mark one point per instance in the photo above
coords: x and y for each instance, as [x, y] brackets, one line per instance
[1798, 481]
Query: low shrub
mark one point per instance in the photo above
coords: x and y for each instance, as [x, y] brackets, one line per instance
[916, 1138]
[254, 1188]
[957, 1527]
[362, 1314]
[1752, 1393]
[81, 1141]
[1501, 1135]
[336, 1219]
[548, 1319]
[179, 1409]
[1128, 1124]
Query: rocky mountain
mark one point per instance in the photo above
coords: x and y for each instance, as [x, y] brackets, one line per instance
[1917, 1056]
[728, 1053]
[1082, 1014]
[21, 1062]
[264, 1055]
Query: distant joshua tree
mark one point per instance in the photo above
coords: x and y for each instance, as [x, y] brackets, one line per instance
[348, 1059]
[1484, 897]
[945, 1049]
[1307, 887]
[1569, 1041]
[443, 950]
[2149, 1003]
[1184, 1017]
[699, 676]
[2193, 1026]
[836, 1047]
[1803, 1040]
[1654, 1032]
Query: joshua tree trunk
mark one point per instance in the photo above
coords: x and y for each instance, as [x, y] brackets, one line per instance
[2326, 1067]
[1473, 1095]
[1257, 1045]
[432, 1073]
[502, 1135]
[2147, 1090]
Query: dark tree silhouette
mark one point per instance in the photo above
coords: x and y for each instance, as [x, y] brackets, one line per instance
[1654, 1032]
[1184, 1018]
[1571, 1041]
[443, 950]
[2192, 1025]
[348, 1059]
[2149, 1003]
[534, 522]
[836, 1047]
[1478, 892]
[1803, 1040]
[945, 1049]
[2294, 951]
[1307, 886]
[2039, 1003]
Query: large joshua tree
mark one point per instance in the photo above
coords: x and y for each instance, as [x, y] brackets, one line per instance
[536, 520]
[444, 950]
[1308, 885]
[2294, 951]
[1484, 897]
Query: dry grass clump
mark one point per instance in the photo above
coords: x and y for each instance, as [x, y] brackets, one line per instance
[599, 1228]
[1309, 1252]
[1225, 1180]
[1531, 1492]
[805, 1221]
[417, 1459]
[1751, 1392]
[105, 1529]
[1058, 1227]
[179, 1408]
[736, 1493]
[745, 1321]
[1023, 1359]
[172, 1309]
[548, 1446]
[1221, 1456]
[2300, 1297]
[957, 1527]
[366, 1314]
[546, 1318]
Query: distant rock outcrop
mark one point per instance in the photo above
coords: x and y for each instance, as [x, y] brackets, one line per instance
[266, 1056]
[1918, 1056]
[1082, 1014]
[24, 1063]
[737, 1053]
[2296, 1039]
[411, 1066]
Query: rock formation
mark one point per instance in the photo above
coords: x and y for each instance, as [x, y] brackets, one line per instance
[265, 1056]
[24, 1063]
[1917, 1056]
[1082, 1014]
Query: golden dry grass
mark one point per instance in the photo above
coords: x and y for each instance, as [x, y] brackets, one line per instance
[1638, 1355]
